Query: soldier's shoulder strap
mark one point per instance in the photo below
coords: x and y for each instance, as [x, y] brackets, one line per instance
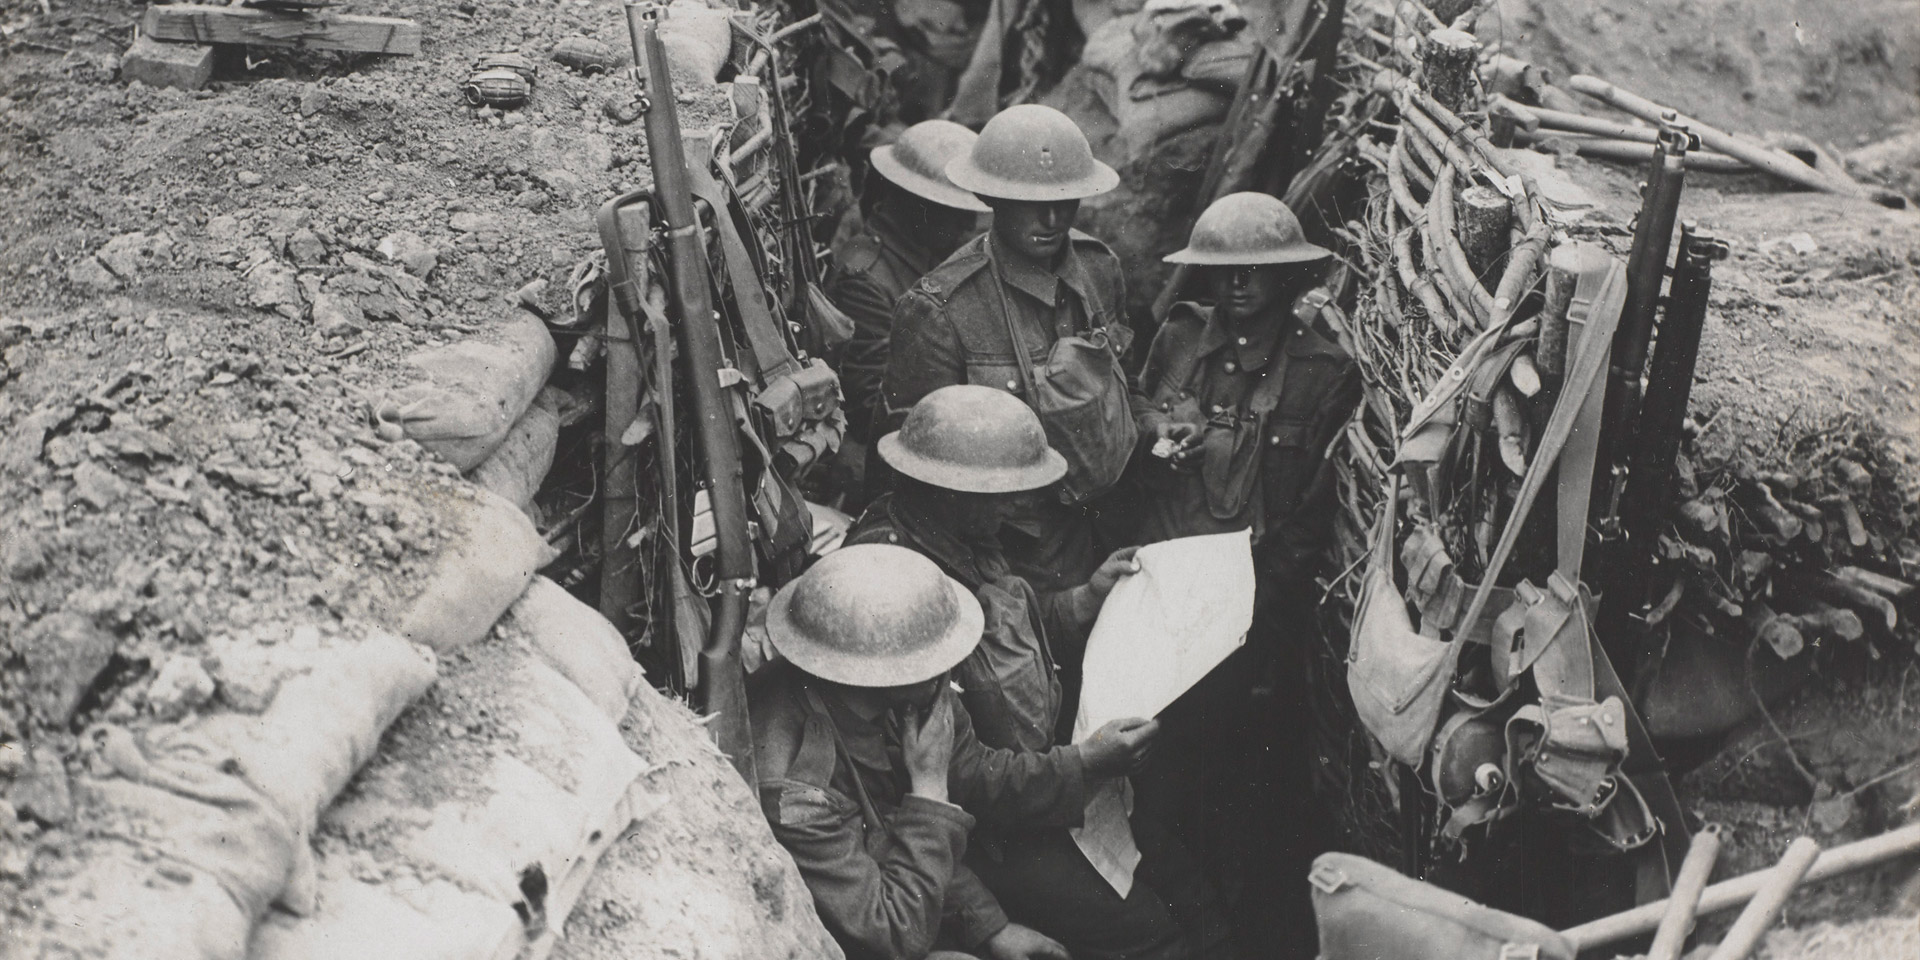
[940, 283]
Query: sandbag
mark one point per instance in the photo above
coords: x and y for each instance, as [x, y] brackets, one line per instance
[430, 920]
[673, 877]
[127, 904]
[515, 470]
[514, 817]
[487, 565]
[196, 828]
[698, 39]
[325, 720]
[576, 640]
[469, 394]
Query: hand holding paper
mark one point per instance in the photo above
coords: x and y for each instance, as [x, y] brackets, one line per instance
[1160, 631]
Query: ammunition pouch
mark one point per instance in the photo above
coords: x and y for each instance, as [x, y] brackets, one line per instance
[803, 409]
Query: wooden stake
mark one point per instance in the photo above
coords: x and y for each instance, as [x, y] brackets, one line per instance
[1484, 216]
[1450, 59]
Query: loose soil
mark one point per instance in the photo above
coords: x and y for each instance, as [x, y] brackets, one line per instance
[201, 297]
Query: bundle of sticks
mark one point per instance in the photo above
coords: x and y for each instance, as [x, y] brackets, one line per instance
[1772, 551]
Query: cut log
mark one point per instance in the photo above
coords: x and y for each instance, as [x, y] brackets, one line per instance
[1484, 216]
[1879, 583]
[193, 23]
[1449, 61]
[183, 66]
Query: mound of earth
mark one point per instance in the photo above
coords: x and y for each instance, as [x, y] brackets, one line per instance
[202, 298]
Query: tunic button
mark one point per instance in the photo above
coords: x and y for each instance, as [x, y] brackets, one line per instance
[1300, 332]
[893, 538]
[1231, 366]
[1011, 385]
[1218, 409]
[1242, 341]
[1273, 441]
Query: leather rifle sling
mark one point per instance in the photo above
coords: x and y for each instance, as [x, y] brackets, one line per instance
[764, 337]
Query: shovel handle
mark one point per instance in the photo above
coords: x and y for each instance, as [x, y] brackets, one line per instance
[1684, 903]
[1768, 901]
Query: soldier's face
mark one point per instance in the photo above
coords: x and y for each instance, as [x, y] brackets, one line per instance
[1244, 293]
[1036, 231]
[914, 697]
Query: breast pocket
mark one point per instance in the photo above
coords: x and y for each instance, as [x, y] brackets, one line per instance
[1000, 373]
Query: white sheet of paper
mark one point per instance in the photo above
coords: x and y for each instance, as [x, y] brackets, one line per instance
[1160, 631]
[1164, 628]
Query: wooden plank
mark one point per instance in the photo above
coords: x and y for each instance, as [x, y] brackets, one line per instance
[185, 66]
[193, 23]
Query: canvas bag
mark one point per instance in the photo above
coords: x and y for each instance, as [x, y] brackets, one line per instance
[1394, 673]
[1369, 912]
[1080, 394]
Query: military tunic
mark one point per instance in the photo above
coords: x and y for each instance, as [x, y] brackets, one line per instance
[887, 878]
[872, 269]
[1261, 462]
[1011, 688]
[953, 327]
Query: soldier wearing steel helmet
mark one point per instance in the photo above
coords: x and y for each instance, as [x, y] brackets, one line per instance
[1245, 398]
[913, 218]
[869, 770]
[1036, 309]
[963, 455]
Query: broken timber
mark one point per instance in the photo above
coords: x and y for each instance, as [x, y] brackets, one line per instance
[193, 23]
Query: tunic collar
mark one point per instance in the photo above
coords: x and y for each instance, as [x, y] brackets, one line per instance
[1041, 283]
[1253, 345]
[973, 561]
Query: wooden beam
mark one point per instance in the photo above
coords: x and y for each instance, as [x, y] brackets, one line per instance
[186, 66]
[192, 23]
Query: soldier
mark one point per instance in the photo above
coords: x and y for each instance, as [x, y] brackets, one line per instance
[1033, 308]
[963, 454]
[870, 773]
[1245, 398]
[913, 218]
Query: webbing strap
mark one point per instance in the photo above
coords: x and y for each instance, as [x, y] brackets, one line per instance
[764, 336]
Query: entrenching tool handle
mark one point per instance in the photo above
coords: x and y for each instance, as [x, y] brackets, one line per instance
[1727, 894]
[1765, 907]
[1684, 903]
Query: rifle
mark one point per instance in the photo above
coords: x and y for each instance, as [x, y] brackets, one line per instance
[1663, 414]
[1646, 272]
[1261, 109]
[721, 693]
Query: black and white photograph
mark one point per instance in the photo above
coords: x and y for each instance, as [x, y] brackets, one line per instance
[959, 480]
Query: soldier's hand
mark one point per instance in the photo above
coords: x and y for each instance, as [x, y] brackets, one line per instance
[927, 741]
[1176, 441]
[1119, 748]
[1015, 942]
[1120, 564]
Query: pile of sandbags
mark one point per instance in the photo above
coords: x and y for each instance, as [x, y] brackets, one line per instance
[473, 834]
